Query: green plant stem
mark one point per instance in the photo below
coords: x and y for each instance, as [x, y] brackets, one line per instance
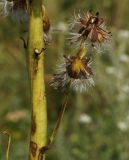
[36, 74]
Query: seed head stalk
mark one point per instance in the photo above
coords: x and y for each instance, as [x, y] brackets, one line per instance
[58, 123]
[36, 73]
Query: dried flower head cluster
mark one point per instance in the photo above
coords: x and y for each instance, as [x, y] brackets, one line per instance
[75, 71]
[88, 27]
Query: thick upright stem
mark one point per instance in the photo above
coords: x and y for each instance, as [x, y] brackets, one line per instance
[36, 71]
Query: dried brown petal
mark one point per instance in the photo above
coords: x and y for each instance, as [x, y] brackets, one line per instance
[46, 24]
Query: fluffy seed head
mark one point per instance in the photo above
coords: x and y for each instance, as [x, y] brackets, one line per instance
[75, 72]
[16, 9]
[5, 7]
[88, 26]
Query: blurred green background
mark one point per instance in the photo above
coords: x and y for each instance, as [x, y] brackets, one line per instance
[96, 123]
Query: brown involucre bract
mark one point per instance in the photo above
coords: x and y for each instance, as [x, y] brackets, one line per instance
[88, 26]
[46, 26]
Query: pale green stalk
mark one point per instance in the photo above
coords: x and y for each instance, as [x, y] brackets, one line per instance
[36, 72]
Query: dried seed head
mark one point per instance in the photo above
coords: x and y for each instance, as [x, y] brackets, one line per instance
[88, 26]
[5, 7]
[74, 71]
[16, 9]
[19, 5]
[78, 66]
[19, 11]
